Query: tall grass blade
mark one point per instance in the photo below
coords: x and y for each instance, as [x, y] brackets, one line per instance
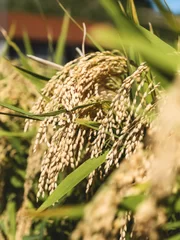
[22, 57]
[132, 11]
[122, 8]
[72, 180]
[10, 34]
[81, 28]
[26, 135]
[27, 43]
[72, 212]
[39, 84]
[153, 50]
[32, 75]
[168, 15]
[58, 56]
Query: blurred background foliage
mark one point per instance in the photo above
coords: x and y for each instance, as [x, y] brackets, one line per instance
[21, 89]
[91, 10]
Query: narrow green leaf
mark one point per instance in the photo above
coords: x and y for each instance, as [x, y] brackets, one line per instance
[168, 15]
[12, 219]
[26, 73]
[10, 34]
[50, 43]
[58, 56]
[28, 134]
[133, 12]
[17, 49]
[76, 23]
[91, 124]
[177, 206]
[157, 53]
[72, 180]
[121, 7]
[26, 114]
[32, 75]
[18, 110]
[172, 225]
[131, 203]
[73, 212]
[27, 43]
[175, 237]
[22, 116]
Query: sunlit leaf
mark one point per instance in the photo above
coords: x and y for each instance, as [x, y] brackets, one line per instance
[131, 202]
[22, 57]
[172, 226]
[72, 180]
[132, 11]
[76, 23]
[72, 212]
[168, 15]
[27, 43]
[17, 134]
[32, 75]
[58, 56]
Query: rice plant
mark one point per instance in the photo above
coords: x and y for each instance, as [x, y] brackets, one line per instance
[105, 136]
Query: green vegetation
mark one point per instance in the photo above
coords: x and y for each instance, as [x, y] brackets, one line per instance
[100, 151]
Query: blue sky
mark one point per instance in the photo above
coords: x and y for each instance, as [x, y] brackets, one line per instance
[174, 5]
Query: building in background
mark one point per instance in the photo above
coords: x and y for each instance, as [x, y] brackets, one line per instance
[42, 20]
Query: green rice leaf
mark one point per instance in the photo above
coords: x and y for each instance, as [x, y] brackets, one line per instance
[10, 34]
[28, 134]
[98, 46]
[172, 225]
[175, 237]
[72, 212]
[32, 75]
[72, 180]
[132, 11]
[22, 57]
[131, 202]
[157, 53]
[27, 43]
[58, 56]
[168, 15]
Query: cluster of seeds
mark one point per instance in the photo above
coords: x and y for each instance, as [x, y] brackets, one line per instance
[91, 105]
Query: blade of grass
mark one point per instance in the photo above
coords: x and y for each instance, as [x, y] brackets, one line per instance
[121, 8]
[12, 219]
[132, 11]
[26, 114]
[21, 116]
[32, 75]
[168, 15]
[58, 56]
[10, 34]
[28, 134]
[72, 180]
[90, 124]
[27, 43]
[153, 50]
[175, 237]
[72, 212]
[16, 48]
[81, 28]
[131, 203]
[39, 84]
[50, 44]
[172, 225]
